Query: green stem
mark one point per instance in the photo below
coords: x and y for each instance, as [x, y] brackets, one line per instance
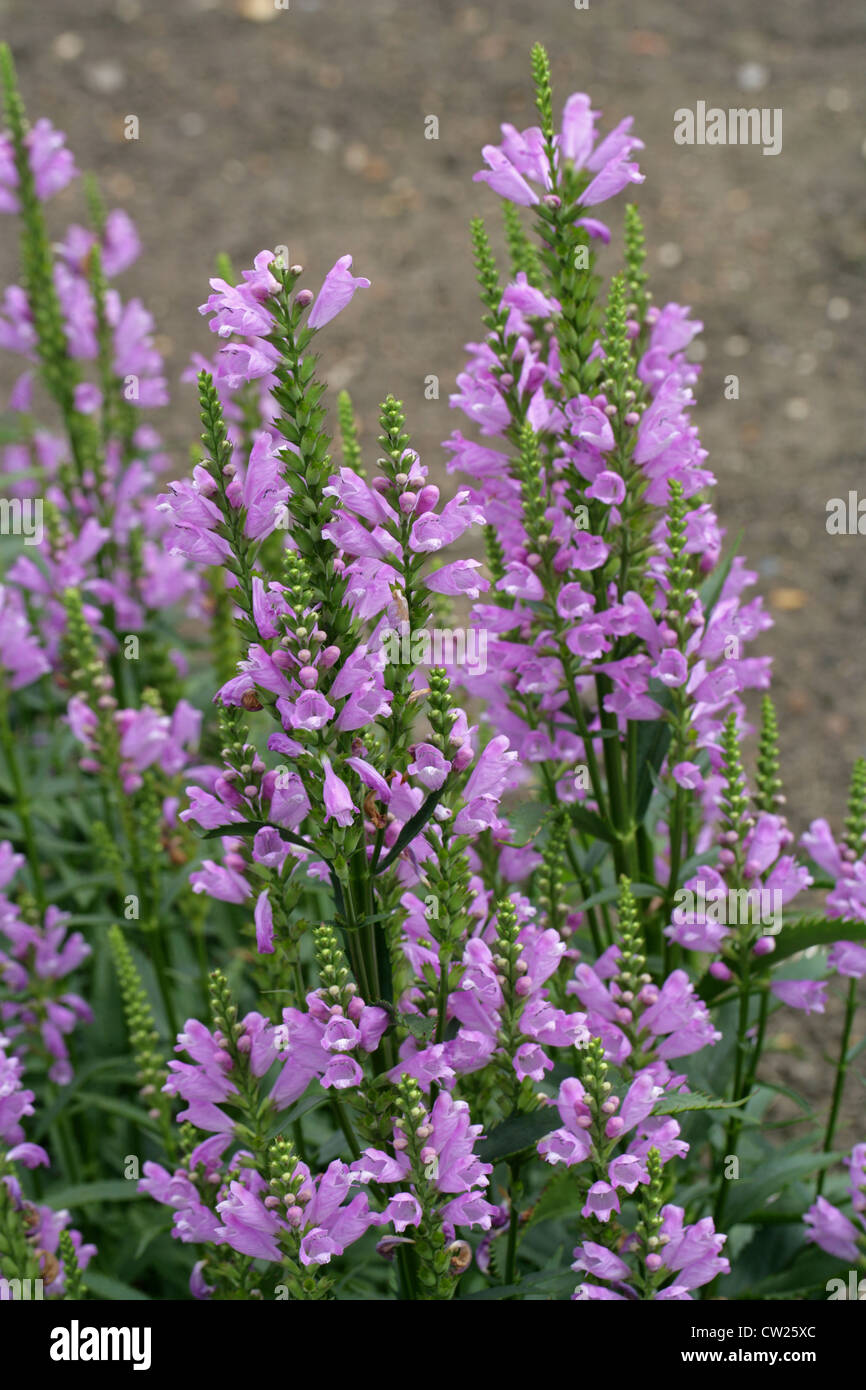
[346, 1126]
[839, 1083]
[22, 805]
[160, 965]
[442, 999]
[734, 1125]
[514, 1190]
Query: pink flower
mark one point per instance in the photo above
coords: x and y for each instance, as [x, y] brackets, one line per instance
[601, 1200]
[849, 959]
[809, 995]
[338, 799]
[600, 1262]
[504, 179]
[608, 487]
[688, 775]
[337, 291]
[612, 179]
[832, 1230]
[429, 766]
[264, 919]
[460, 577]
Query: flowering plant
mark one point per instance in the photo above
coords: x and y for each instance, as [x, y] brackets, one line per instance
[365, 976]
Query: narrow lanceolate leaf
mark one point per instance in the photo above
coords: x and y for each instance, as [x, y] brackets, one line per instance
[814, 931]
[517, 1133]
[653, 741]
[710, 590]
[525, 821]
[753, 1194]
[86, 1193]
[678, 1103]
[250, 828]
[413, 827]
[792, 939]
[592, 824]
[114, 1290]
[609, 895]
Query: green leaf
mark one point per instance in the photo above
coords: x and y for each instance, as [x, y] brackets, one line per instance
[104, 1286]
[300, 1108]
[594, 856]
[162, 1227]
[413, 827]
[653, 740]
[813, 931]
[252, 827]
[806, 1274]
[562, 1281]
[591, 823]
[678, 1103]
[418, 1025]
[517, 1133]
[69, 1094]
[81, 1194]
[89, 1100]
[563, 1197]
[710, 590]
[799, 1101]
[775, 1175]
[607, 895]
[792, 939]
[525, 821]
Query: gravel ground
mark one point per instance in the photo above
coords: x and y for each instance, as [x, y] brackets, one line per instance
[306, 126]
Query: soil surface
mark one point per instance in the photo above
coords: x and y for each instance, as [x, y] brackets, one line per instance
[305, 126]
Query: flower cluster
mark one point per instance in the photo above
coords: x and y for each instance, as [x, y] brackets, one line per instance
[449, 952]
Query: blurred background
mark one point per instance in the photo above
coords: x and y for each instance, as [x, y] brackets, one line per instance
[305, 126]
